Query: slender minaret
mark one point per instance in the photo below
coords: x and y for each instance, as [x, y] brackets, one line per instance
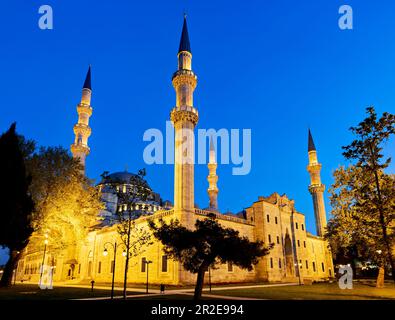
[184, 118]
[316, 188]
[212, 179]
[82, 131]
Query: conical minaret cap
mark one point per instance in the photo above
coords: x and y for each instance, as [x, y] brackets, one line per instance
[311, 146]
[87, 83]
[184, 42]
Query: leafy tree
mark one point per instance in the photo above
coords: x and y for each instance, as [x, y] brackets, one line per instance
[67, 204]
[17, 204]
[363, 195]
[208, 245]
[355, 232]
[131, 197]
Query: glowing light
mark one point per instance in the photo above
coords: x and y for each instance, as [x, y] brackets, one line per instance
[105, 253]
[124, 253]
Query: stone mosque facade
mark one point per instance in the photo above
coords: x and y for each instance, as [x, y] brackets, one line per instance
[296, 256]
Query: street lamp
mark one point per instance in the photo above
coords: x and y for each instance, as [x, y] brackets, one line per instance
[209, 277]
[105, 253]
[299, 265]
[147, 262]
[42, 264]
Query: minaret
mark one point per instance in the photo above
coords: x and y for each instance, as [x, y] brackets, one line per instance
[82, 131]
[184, 118]
[212, 179]
[316, 188]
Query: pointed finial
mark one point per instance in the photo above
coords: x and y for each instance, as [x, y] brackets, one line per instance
[87, 83]
[212, 144]
[311, 146]
[184, 42]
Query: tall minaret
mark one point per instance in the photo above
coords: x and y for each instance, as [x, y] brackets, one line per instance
[184, 118]
[82, 131]
[212, 179]
[316, 188]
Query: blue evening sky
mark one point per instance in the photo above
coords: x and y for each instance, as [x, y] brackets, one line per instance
[274, 66]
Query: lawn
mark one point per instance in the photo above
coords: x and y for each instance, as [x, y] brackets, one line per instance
[322, 291]
[319, 291]
[33, 292]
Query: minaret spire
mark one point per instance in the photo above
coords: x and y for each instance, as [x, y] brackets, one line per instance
[87, 82]
[212, 179]
[82, 131]
[184, 118]
[311, 145]
[185, 45]
[316, 188]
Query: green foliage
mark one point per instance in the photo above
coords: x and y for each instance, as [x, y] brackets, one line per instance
[67, 204]
[363, 195]
[355, 230]
[208, 245]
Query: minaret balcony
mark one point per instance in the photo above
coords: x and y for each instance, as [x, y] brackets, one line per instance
[80, 148]
[184, 72]
[315, 188]
[82, 129]
[184, 113]
[84, 108]
[184, 76]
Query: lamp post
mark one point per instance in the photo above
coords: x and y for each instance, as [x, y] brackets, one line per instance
[42, 263]
[299, 265]
[209, 277]
[147, 262]
[105, 253]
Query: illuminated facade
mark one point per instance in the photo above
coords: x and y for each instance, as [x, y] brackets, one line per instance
[296, 256]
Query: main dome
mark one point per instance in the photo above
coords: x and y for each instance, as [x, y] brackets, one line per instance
[123, 177]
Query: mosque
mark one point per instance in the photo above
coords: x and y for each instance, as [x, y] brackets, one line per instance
[297, 256]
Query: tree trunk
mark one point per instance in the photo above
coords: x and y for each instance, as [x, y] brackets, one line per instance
[199, 282]
[6, 280]
[380, 278]
[125, 278]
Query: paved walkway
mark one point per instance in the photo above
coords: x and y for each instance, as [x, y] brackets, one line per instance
[189, 292]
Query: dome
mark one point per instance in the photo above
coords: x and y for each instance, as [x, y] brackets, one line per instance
[119, 177]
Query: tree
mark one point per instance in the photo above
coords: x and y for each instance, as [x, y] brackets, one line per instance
[354, 232]
[67, 204]
[208, 245]
[131, 197]
[363, 195]
[17, 204]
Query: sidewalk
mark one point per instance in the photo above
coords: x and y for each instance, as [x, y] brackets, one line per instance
[188, 291]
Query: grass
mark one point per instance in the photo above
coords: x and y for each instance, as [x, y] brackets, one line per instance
[319, 291]
[33, 292]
